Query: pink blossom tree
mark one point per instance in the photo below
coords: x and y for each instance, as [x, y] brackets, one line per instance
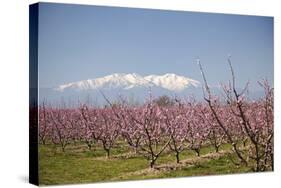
[245, 114]
[153, 131]
[108, 129]
[177, 127]
[44, 124]
[61, 127]
[89, 128]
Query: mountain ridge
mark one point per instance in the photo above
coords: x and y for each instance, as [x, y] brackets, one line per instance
[168, 81]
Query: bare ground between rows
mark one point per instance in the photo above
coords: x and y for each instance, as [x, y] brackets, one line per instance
[174, 166]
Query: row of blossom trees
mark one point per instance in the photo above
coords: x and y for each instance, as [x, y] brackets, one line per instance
[152, 129]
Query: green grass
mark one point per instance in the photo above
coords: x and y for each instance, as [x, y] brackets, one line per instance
[79, 165]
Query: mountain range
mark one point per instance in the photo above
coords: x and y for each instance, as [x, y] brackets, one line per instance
[132, 86]
[170, 81]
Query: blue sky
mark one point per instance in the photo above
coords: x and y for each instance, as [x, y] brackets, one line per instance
[78, 42]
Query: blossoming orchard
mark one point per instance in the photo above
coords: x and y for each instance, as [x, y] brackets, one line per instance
[152, 129]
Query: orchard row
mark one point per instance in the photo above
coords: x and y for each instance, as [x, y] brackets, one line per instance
[152, 128]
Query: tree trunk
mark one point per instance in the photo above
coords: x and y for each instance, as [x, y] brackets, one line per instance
[178, 157]
[197, 152]
[217, 149]
[272, 162]
[43, 141]
[107, 153]
[244, 142]
[63, 148]
[258, 169]
[136, 150]
[152, 163]
[90, 147]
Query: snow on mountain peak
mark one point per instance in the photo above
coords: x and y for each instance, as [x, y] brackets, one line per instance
[172, 81]
[169, 81]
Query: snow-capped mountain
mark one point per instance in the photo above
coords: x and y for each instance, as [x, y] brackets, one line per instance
[133, 87]
[171, 82]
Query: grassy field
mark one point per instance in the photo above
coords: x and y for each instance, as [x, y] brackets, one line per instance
[79, 165]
